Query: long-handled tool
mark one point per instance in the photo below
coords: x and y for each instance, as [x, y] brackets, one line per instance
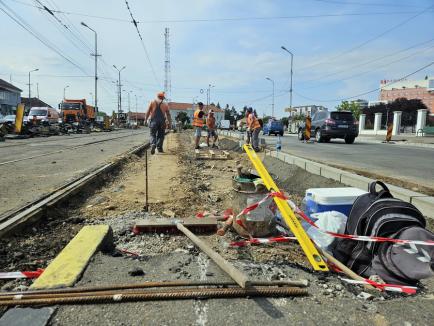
[146, 208]
[288, 215]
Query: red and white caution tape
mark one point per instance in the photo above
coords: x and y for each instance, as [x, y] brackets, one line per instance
[261, 241]
[385, 287]
[357, 237]
[14, 275]
[226, 214]
[333, 234]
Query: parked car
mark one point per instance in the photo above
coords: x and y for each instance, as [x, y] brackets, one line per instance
[273, 127]
[327, 125]
[225, 124]
[8, 119]
[43, 114]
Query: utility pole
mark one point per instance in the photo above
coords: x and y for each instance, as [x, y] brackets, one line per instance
[96, 55]
[290, 89]
[91, 96]
[30, 84]
[208, 95]
[272, 104]
[120, 88]
[137, 124]
[37, 89]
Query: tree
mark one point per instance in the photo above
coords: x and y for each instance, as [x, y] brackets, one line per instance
[350, 106]
[285, 121]
[218, 105]
[183, 118]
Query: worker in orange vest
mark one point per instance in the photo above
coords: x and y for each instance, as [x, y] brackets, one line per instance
[210, 123]
[159, 118]
[253, 128]
[198, 123]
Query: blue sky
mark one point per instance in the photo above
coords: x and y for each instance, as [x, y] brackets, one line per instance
[335, 57]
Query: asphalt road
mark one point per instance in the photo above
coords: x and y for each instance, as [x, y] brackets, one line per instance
[404, 162]
[30, 168]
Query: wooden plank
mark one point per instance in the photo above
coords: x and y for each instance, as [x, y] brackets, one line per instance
[212, 153]
[68, 266]
[169, 225]
[227, 267]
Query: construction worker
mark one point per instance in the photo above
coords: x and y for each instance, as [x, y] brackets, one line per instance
[210, 123]
[198, 123]
[253, 127]
[159, 118]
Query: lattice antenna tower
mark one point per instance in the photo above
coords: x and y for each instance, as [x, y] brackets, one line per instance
[167, 82]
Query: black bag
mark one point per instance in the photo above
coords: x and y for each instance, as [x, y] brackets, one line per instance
[379, 214]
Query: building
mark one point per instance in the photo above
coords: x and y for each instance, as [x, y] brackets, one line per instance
[304, 110]
[363, 104]
[374, 103]
[175, 108]
[410, 89]
[10, 97]
[34, 102]
[133, 117]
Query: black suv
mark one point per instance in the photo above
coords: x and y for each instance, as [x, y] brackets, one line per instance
[327, 125]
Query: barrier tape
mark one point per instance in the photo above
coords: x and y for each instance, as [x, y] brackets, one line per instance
[333, 234]
[226, 214]
[29, 274]
[261, 241]
[385, 287]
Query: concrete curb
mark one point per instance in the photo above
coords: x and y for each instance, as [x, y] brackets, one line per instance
[423, 202]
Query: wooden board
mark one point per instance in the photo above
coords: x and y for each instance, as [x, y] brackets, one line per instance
[211, 155]
[167, 225]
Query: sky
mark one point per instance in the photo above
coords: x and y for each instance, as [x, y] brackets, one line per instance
[341, 49]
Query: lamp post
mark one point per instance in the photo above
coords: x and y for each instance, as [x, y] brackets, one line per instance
[208, 95]
[91, 96]
[290, 90]
[96, 55]
[137, 124]
[272, 104]
[64, 91]
[30, 84]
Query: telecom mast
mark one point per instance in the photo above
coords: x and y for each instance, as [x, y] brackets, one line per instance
[167, 83]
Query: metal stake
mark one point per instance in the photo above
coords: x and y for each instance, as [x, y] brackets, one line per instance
[146, 208]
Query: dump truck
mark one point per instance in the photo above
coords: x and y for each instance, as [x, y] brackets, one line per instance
[76, 114]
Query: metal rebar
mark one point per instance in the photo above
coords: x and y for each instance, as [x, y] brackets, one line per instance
[163, 295]
[144, 285]
[146, 181]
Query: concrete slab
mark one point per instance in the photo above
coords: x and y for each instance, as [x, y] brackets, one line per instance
[331, 173]
[355, 180]
[313, 168]
[281, 156]
[68, 266]
[288, 158]
[425, 205]
[301, 162]
[27, 316]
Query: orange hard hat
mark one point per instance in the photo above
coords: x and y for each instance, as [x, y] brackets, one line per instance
[161, 95]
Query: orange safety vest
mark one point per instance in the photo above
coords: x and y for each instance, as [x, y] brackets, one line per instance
[252, 122]
[198, 122]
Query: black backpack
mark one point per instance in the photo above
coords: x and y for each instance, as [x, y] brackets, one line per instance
[378, 214]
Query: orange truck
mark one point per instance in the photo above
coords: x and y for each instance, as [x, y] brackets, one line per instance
[77, 111]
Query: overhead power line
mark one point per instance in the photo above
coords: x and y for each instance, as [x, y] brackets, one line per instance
[405, 21]
[223, 19]
[370, 4]
[368, 92]
[142, 42]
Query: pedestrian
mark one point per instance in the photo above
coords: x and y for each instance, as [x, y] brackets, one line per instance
[254, 128]
[159, 118]
[198, 123]
[210, 123]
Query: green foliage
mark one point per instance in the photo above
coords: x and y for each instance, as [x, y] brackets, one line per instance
[298, 118]
[350, 106]
[183, 118]
[285, 121]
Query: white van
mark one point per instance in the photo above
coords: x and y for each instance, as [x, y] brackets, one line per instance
[43, 114]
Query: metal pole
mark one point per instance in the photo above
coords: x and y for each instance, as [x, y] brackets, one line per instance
[146, 181]
[29, 89]
[64, 91]
[96, 73]
[290, 90]
[37, 90]
[272, 104]
[137, 124]
[120, 93]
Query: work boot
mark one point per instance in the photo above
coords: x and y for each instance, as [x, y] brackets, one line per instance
[257, 149]
[152, 149]
[160, 150]
[214, 146]
[197, 147]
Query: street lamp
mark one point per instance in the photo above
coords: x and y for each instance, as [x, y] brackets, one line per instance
[91, 96]
[137, 124]
[29, 84]
[64, 91]
[120, 88]
[290, 90]
[208, 95]
[272, 105]
[96, 55]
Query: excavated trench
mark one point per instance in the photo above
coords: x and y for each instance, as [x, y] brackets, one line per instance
[179, 186]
